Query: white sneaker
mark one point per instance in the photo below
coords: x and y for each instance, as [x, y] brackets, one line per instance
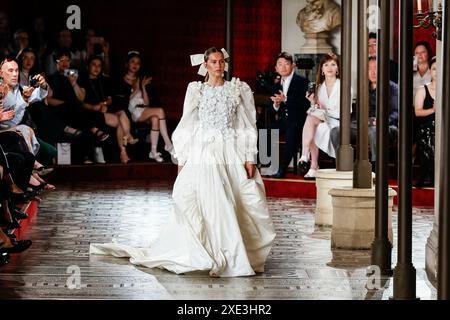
[311, 174]
[98, 155]
[170, 149]
[155, 156]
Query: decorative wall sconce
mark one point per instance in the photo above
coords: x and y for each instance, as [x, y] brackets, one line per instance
[430, 18]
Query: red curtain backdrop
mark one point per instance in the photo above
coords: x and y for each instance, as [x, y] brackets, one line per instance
[256, 38]
[166, 33]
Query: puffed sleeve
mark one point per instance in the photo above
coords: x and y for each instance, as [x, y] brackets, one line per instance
[246, 123]
[183, 136]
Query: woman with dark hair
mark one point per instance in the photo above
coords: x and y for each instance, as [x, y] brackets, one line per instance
[323, 114]
[220, 221]
[425, 110]
[28, 66]
[98, 99]
[135, 96]
[422, 56]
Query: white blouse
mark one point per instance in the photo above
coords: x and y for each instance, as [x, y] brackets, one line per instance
[330, 103]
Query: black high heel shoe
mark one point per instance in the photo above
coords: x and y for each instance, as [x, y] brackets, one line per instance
[19, 215]
[38, 188]
[13, 224]
[21, 197]
[18, 246]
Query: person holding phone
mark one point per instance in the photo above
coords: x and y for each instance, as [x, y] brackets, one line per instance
[323, 115]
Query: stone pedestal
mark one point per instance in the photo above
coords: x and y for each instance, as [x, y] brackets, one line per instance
[354, 217]
[327, 179]
[316, 43]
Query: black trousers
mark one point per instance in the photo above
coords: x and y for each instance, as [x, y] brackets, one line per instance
[50, 127]
[14, 160]
[78, 117]
[292, 134]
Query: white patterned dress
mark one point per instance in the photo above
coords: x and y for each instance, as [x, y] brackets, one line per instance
[220, 220]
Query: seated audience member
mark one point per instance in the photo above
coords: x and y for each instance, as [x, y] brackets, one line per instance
[422, 73]
[47, 126]
[288, 107]
[17, 100]
[21, 41]
[39, 41]
[393, 66]
[66, 102]
[323, 115]
[64, 43]
[14, 103]
[132, 92]
[425, 110]
[421, 77]
[393, 114]
[96, 46]
[98, 100]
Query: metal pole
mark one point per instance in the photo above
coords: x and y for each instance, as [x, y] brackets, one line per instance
[362, 173]
[229, 36]
[405, 273]
[381, 246]
[344, 155]
[444, 214]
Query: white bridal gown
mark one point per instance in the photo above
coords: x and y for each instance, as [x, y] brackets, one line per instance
[220, 220]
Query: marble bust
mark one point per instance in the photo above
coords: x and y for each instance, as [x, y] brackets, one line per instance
[316, 20]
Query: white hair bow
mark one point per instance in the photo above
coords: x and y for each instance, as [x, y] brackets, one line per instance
[198, 59]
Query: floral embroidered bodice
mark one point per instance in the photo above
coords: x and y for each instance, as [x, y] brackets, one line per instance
[217, 108]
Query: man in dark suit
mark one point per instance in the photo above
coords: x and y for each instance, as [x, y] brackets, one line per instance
[288, 107]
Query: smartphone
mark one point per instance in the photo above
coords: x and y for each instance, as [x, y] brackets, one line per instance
[33, 82]
[70, 72]
[415, 63]
[311, 88]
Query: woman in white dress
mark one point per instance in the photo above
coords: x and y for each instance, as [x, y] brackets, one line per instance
[220, 221]
[323, 114]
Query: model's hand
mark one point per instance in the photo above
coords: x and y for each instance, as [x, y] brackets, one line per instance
[250, 168]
